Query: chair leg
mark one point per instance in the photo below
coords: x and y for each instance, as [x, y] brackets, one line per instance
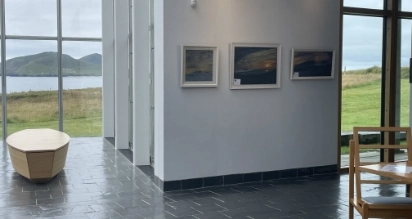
[351, 216]
[365, 213]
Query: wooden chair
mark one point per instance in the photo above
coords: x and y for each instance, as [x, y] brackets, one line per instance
[376, 207]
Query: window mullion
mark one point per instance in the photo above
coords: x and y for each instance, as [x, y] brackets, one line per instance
[390, 59]
[3, 69]
[59, 64]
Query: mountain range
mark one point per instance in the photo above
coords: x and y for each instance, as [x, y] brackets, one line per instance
[45, 65]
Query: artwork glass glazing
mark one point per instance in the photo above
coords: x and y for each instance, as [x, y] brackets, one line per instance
[199, 65]
[255, 65]
[312, 64]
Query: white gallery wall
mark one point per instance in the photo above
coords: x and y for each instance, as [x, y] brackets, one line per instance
[218, 131]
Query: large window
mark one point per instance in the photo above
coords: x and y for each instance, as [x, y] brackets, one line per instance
[32, 99]
[52, 66]
[376, 49]
[82, 86]
[403, 71]
[361, 79]
[403, 89]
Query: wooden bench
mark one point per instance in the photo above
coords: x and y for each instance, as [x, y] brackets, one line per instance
[38, 154]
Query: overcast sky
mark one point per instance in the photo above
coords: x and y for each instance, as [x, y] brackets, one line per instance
[362, 36]
[80, 18]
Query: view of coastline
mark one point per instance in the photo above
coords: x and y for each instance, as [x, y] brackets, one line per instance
[32, 97]
[26, 84]
[39, 72]
[45, 65]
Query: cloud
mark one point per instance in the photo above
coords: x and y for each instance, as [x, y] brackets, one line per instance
[363, 41]
[35, 18]
[16, 48]
[80, 18]
[364, 3]
[362, 36]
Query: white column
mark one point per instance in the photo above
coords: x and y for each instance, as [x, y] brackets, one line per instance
[141, 82]
[108, 68]
[159, 88]
[121, 29]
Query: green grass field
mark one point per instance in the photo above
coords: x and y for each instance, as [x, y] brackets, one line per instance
[361, 104]
[361, 99]
[82, 115]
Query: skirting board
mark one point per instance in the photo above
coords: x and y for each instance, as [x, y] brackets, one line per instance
[242, 178]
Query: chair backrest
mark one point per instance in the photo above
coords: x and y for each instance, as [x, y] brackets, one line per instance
[355, 161]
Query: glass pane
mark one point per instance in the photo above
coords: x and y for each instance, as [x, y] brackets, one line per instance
[406, 5]
[361, 80]
[82, 88]
[32, 100]
[372, 4]
[405, 40]
[1, 101]
[403, 100]
[33, 18]
[82, 18]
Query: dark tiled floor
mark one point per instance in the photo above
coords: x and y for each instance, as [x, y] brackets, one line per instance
[99, 182]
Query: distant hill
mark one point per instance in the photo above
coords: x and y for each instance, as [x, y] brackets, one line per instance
[45, 65]
[94, 58]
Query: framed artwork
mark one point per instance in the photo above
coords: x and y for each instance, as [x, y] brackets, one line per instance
[254, 66]
[312, 64]
[199, 66]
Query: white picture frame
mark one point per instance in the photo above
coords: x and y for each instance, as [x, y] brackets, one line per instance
[255, 66]
[199, 66]
[312, 64]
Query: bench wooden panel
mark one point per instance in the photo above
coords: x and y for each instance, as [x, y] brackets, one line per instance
[38, 154]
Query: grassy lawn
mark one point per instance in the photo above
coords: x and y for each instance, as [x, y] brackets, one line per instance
[361, 101]
[361, 105]
[82, 115]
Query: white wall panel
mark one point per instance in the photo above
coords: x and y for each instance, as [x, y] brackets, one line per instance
[218, 131]
[121, 31]
[159, 70]
[141, 86]
[108, 68]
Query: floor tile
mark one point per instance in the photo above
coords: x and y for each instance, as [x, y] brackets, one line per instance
[99, 182]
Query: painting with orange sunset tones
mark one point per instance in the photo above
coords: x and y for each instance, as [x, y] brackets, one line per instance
[255, 65]
[312, 64]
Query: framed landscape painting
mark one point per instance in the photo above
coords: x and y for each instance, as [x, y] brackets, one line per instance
[312, 64]
[254, 66]
[199, 66]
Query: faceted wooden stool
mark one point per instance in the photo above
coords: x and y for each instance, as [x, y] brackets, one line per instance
[38, 154]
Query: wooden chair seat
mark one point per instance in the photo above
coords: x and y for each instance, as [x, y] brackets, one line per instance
[388, 200]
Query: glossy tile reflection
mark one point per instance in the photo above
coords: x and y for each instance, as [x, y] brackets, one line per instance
[99, 182]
